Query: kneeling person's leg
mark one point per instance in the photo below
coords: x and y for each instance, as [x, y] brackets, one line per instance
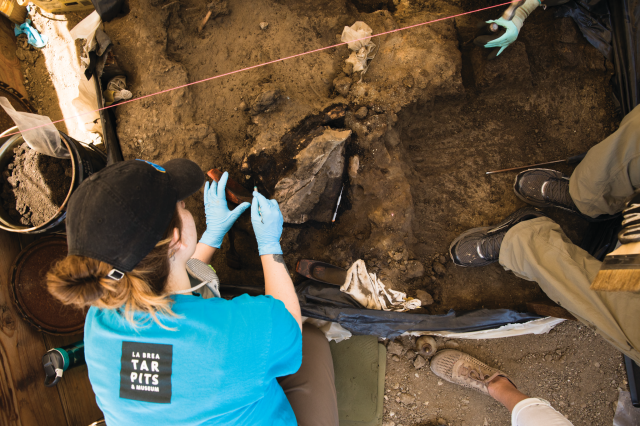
[311, 391]
[538, 250]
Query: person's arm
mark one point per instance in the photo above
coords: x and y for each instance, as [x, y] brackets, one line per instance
[267, 223]
[204, 253]
[278, 284]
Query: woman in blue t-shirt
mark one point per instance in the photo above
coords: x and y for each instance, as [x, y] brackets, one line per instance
[158, 354]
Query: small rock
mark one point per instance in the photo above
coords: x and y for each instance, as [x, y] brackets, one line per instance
[414, 269]
[264, 25]
[419, 362]
[342, 84]
[348, 68]
[439, 269]
[442, 259]
[407, 399]
[548, 358]
[264, 101]
[361, 113]
[395, 348]
[597, 364]
[397, 256]
[451, 345]
[396, 358]
[243, 106]
[389, 423]
[425, 298]
[433, 278]
[354, 166]
[396, 385]
[439, 382]
[408, 81]
[559, 352]
[441, 421]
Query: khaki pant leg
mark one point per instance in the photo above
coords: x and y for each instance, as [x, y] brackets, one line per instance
[311, 391]
[610, 171]
[537, 250]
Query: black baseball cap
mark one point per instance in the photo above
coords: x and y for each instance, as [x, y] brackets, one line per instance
[119, 214]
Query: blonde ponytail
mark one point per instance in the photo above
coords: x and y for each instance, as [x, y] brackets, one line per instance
[83, 282]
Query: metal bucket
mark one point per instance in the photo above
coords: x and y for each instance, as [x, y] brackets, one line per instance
[85, 161]
[29, 288]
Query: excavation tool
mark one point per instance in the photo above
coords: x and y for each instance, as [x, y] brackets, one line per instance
[620, 270]
[570, 161]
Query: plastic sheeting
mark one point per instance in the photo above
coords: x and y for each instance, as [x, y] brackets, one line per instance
[327, 302]
[625, 23]
[612, 27]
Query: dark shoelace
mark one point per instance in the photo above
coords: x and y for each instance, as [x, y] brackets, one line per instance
[489, 248]
[557, 191]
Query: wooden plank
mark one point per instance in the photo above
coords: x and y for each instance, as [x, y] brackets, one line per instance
[29, 401]
[9, 64]
[75, 390]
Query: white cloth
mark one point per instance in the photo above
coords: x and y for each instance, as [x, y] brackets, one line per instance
[537, 412]
[369, 291]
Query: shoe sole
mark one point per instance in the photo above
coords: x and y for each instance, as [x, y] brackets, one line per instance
[506, 223]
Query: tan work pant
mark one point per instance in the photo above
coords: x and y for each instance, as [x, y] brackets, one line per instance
[538, 250]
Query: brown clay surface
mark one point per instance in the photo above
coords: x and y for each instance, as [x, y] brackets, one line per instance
[35, 186]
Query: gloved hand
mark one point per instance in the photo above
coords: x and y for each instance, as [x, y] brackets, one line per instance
[218, 216]
[512, 28]
[268, 227]
[507, 38]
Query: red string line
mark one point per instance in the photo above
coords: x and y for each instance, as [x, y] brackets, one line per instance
[265, 64]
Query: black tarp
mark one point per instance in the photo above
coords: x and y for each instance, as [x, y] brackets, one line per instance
[327, 302]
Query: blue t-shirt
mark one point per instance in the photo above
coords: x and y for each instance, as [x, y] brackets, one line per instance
[219, 367]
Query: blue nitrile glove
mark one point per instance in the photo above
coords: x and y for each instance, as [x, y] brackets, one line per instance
[267, 221]
[507, 38]
[219, 217]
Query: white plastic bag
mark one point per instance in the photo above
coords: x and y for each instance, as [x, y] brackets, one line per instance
[45, 138]
[357, 31]
[358, 39]
[86, 105]
[86, 29]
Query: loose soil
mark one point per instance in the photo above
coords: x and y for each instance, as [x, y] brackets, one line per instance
[438, 116]
[35, 187]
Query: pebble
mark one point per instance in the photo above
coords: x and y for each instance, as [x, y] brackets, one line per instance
[439, 382]
[361, 114]
[597, 364]
[438, 268]
[406, 399]
[419, 363]
[243, 106]
[395, 348]
[441, 421]
[442, 259]
[264, 25]
[548, 358]
[451, 345]
[396, 385]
